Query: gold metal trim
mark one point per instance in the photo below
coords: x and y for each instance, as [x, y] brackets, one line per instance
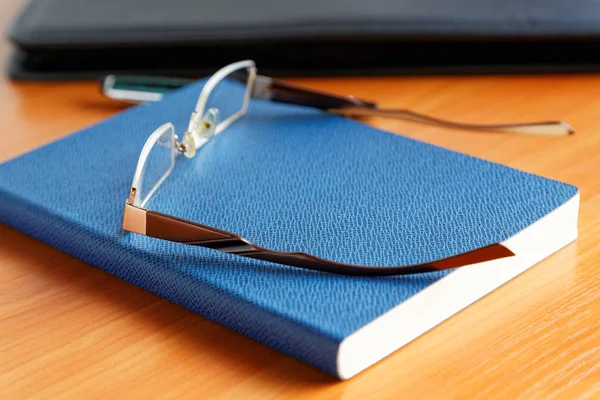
[134, 219]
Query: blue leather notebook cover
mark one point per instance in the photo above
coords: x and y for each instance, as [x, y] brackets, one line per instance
[287, 178]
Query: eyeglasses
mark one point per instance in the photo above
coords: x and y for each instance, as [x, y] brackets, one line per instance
[216, 109]
[137, 89]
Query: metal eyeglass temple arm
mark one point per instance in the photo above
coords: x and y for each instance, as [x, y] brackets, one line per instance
[171, 228]
[268, 88]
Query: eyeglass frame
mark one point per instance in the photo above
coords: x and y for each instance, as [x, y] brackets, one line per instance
[140, 220]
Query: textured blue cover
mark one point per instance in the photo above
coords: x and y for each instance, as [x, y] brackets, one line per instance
[286, 178]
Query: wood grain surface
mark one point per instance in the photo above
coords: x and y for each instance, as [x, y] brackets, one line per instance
[69, 330]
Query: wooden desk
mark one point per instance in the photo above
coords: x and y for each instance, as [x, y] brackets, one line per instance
[69, 330]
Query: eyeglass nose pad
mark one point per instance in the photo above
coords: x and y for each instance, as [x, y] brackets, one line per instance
[200, 132]
[209, 123]
[188, 143]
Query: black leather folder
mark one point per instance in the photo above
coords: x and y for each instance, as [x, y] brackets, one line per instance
[71, 39]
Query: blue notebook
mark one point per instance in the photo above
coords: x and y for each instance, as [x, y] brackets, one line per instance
[291, 178]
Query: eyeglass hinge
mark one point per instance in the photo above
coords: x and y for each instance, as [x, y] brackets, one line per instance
[262, 88]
